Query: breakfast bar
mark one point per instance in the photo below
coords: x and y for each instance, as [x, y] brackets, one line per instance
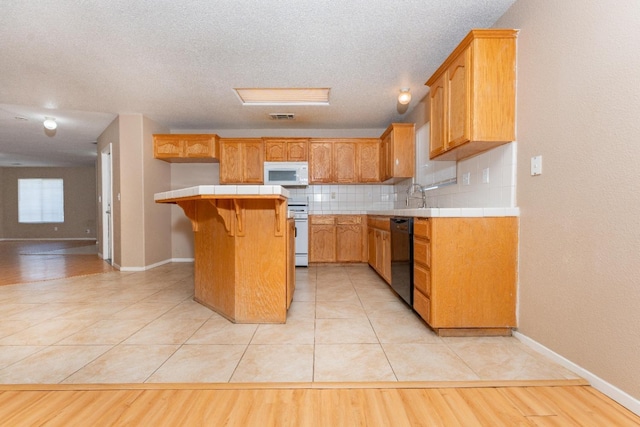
[244, 249]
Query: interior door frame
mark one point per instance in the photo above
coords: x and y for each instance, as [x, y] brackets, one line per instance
[106, 205]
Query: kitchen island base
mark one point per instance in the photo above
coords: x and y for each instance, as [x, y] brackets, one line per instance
[243, 255]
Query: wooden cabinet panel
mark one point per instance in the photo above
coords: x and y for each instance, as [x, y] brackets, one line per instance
[275, 151]
[369, 161]
[241, 161]
[320, 162]
[473, 96]
[183, 148]
[379, 246]
[286, 149]
[291, 260]
[253, 154]
[465, 274]
[337, 238]
[398, 143]
[345, 164]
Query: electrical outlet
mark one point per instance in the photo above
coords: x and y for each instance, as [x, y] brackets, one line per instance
[88, 231]
[333, 195]
[466, 178]
[55, 228]
[485, 175]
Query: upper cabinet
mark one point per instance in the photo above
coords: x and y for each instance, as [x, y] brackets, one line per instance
[398, 151]
[346, 161]
[286, 149]
[181, 148]
[241, 161]
[472, 96]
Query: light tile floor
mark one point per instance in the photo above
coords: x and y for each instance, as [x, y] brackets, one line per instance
[345, 324]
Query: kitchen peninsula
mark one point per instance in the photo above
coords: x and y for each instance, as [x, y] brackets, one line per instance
[244, 249]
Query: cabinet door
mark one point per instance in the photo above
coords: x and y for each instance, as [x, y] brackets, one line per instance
[291, 260]
[369, 161]
[275, 151]
[297, 151]
[167, 147]
[348, 242]
[230, 162]
[438, 112]
[199, 146]
[322, 243]
[458, 100]
[345, 164]
[385, 257]
[253, 159]
[320, 162]
[387, 166]
[371, 238]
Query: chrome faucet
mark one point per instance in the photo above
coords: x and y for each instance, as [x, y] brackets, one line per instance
[411, 190]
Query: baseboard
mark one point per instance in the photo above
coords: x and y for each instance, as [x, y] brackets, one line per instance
[623, 398]
[157, 264]
[6, 239]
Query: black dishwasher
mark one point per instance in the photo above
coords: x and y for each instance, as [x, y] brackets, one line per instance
[402, 257]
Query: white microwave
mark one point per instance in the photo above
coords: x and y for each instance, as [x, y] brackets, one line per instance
[292, 174]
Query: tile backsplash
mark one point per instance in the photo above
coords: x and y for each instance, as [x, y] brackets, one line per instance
[346, 199]
[490, 181]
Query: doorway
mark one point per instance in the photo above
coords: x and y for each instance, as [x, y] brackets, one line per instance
[105, 205]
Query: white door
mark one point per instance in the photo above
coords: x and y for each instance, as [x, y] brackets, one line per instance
[105, 205]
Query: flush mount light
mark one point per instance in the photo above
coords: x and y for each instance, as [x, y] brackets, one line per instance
[50, 123]
[405, 96]
[283, 96]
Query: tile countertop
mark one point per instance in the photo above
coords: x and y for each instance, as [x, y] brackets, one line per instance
[227, 190]
[449, 212]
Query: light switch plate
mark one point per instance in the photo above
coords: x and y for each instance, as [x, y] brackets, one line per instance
[466, 178]
[485, 175]
[536, 165]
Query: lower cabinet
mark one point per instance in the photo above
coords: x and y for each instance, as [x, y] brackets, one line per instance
[337, 238]
[464, 274]
[291, 260]
[379, 239]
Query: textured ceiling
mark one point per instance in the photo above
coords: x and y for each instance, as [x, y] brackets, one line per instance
[84, 62]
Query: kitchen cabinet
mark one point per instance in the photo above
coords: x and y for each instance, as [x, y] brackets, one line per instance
[379, 238]
[344, 161]
[472, 96]
[182, 148]
[241, 161]
[464, 274]
[291, 260]
[337, 238]
[286, 149]
[397, 155]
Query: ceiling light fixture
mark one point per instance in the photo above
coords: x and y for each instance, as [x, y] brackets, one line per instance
[283, 96]
[50, 123]
[405, 96]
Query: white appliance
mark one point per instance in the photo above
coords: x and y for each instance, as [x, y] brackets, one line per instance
[300, 209]
[287, 174]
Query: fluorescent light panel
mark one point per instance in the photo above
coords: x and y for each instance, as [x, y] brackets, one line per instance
[283, 96]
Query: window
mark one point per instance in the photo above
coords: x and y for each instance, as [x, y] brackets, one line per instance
[40, 200]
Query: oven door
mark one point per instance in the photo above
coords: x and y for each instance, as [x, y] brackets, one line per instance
[302, 241]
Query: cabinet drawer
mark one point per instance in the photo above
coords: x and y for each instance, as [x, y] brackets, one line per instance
[422, 305]
[422, 279]
[422, 252]
[422, 228]
[383, 224]
[322, 219]
[348, 219]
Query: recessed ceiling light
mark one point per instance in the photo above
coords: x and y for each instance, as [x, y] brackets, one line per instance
[283, 96]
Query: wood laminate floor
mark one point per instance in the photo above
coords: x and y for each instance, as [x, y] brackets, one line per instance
[314, 405]
[28, 260]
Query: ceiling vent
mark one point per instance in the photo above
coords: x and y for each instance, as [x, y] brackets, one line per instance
[282, 116]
